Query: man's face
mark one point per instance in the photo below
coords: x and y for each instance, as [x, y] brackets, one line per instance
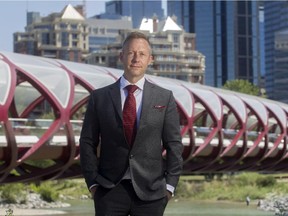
[136, 57]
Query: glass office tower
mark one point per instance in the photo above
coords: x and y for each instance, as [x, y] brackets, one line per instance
[276, 19]
[137, 10]
[227, 33]
[281, 66]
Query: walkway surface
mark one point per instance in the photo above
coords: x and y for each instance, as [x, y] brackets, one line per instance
[32, 212]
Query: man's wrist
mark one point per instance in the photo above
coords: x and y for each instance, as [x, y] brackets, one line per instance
[170, 189]
[93, 186]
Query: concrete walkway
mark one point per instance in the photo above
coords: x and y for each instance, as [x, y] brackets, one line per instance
[32, 212]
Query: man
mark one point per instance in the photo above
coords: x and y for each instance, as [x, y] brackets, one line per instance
[130, 176]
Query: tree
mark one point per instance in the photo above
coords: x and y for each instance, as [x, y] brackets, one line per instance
[242, 86]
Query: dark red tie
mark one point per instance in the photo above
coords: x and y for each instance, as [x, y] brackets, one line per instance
[129, 115]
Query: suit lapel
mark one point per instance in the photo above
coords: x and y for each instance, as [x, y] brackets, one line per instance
[115, 95]
[148, 97]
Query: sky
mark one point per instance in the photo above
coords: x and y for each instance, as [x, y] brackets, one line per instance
[13, 15]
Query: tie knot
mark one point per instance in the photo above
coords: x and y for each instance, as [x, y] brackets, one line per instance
[131, 88]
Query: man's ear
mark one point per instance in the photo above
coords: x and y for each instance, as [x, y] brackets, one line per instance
[151, 59]
[121, 56]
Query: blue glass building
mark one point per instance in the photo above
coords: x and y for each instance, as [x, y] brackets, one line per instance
[137, 10]
[280, 75]
[276, 19]
[227, 33]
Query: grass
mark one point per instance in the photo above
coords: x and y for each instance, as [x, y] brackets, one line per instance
[68, 188]
[50, 191]
[196, 187]
[231, 187]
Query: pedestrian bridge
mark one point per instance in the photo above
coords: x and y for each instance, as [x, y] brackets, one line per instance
[42, 102]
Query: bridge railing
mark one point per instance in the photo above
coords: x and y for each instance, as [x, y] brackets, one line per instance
[27, 132]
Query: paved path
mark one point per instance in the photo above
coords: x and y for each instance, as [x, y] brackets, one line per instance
[32, 212]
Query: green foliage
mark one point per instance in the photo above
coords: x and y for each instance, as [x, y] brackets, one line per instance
[73, 188]
[266, 181]
[242, 86]
[41, 163]
[48, 194]
[79, 114]
[13, 193]
[246, 179]
[49, 115]
[50, 190]
[183, 191]
[231, 188]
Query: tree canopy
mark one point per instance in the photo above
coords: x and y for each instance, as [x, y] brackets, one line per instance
[242, 86]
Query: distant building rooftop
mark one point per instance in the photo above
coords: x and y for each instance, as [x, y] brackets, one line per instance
[69, 12]
[153, 25]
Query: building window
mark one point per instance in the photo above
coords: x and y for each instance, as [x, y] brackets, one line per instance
[74, 26]
[95, 30]
[175, 38]
[63, 26]
[65, 39]
[159, 57]
[74, 43]
[74, 36]
[45, 38]
[102, 31]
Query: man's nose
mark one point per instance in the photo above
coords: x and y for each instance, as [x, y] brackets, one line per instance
[136, 57]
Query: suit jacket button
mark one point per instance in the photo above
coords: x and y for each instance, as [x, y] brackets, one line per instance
[131, 156]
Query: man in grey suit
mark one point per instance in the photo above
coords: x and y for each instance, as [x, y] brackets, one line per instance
[129, 175]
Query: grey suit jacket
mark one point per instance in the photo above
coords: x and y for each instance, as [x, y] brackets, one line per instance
[158, 129]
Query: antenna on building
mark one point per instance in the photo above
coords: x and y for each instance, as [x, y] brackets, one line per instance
[84, 8]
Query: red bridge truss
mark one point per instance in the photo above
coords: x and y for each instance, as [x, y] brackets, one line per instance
[42, 102]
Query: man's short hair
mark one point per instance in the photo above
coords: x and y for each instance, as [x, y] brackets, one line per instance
[136, 35]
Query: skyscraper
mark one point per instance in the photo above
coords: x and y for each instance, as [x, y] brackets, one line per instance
[137, 10]
[281, 66]
[227, 33]
[276, 19]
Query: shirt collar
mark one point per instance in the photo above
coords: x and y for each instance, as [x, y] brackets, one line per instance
[139, 84]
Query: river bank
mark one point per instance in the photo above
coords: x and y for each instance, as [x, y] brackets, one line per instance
[263, 190]
[31, 212]
[174, 208]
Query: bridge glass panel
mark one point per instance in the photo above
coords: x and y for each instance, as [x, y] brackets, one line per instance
[257, 106]
[229, 119]
[210, 98]
[79, 94]
[115, 72]
[54, 78]
[236, 103]
[278, 111]
[180, 93]
[5, 81]
[24, 95]
[94, 75]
